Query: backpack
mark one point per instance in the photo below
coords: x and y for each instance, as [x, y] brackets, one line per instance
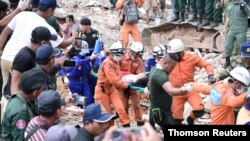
[130, 12]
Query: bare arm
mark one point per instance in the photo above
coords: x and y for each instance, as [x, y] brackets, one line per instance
[171, 90]
[67, 42]
[15, 80]
[9, 17]
[6, 32]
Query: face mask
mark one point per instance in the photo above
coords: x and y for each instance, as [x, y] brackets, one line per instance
[241, 90]
[117, 58]
[83, 52]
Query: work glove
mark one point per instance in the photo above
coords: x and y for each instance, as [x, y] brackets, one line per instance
[186, 87]
[65, 80]
[23, 4]
[211, 79]
[93, 56]
[146, 91]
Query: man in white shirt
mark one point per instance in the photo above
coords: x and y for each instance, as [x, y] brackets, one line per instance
[21, 26]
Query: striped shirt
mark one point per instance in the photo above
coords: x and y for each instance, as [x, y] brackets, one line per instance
[40, 133]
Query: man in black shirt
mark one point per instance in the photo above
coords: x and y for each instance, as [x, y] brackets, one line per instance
[87, 33]
[48, 63]
[25, 58]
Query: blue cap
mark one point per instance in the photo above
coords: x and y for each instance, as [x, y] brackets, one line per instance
[45, 53]
[245, 49]
[63, 133]
[48, 102]
[34, 2]
[93, 113]
[48, 3]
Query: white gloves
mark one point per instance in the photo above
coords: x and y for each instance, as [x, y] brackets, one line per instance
[186, 87]
[65, 80]
[94, 56]
[23, 4]
[146, 91]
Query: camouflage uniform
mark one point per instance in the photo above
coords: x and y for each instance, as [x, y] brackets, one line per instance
[235, 62]
[238, 60]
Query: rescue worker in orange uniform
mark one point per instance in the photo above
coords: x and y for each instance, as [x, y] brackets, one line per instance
[126, 28]
[109, 87]
[226, 95]
[131, 62]
[184, 73]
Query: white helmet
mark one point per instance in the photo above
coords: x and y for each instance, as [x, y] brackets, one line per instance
[137, 47]
[159, 50]
[175, 45]
[241, 74]
[117, 47]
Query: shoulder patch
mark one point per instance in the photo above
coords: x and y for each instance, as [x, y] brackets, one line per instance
[20, 124]
[94, 35]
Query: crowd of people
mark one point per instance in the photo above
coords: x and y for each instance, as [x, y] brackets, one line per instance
[35, 47]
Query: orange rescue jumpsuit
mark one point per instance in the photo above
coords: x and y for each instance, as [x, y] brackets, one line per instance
[223, 101]
[183, 73]
[107, 90]
[135, 67]
[127, 29]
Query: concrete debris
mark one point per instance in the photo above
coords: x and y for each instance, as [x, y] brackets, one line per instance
[60, 13]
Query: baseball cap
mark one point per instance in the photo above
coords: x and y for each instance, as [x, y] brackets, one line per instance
[245, 49]
[48, 102]
[85, 21]
[3, 6]
[93, 113]
[63, 133]
[45, 53]
[48, 3]
[42, 33]
[31, 80]
[34, 2]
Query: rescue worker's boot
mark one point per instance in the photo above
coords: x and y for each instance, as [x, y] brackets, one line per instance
[206, 23]
[194, 18]
[214, 24]
[178, 121]
[140, 123]
[190, 120]
[176, 18]
[126, 125]
[182, 18]
[227, 62]
[199, 20]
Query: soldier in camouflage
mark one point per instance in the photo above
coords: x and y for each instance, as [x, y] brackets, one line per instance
[240, 60]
